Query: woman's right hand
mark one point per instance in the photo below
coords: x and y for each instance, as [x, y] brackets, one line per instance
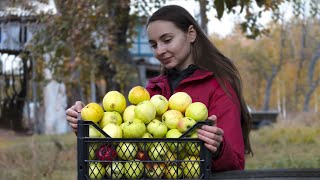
[72, 114]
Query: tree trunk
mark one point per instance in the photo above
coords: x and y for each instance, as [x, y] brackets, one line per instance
[298, 86]
[276, 68]
[117, 40]
[312, 83]
[203, 15]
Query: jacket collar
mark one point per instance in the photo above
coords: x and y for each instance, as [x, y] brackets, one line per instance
[198, 74]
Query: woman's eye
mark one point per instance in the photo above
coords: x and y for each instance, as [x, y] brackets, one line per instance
[153, 46]
[167, 40]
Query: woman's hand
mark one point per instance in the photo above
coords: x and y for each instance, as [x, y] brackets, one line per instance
[72, 114]
[211, 135]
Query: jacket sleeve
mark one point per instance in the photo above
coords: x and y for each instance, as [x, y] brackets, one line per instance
[227, 109]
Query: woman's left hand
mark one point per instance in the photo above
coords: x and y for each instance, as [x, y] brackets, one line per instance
[211, 135]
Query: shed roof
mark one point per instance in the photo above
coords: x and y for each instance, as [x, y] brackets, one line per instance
[35, 8]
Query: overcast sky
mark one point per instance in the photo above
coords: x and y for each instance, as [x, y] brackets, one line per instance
[226, 24]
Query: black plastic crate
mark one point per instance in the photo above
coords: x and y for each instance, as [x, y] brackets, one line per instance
[160, 158]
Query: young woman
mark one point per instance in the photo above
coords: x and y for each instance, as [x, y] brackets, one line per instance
[192, 64]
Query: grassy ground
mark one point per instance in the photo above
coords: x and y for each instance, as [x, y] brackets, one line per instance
[287, 144]
[293, 143]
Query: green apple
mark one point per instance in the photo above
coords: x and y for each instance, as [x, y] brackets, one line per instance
[154, 170]
[96, 170]
[191, 167]
[93, 132]
[134, 129]
[171, 156]
[180, 101]
[145, 111]
[171, 118]
[160, 103]
[177, 146]
[92, 112]
[115, 170]
[173, 172]
[114, 101]
[157, 128]
[193, 148]
[147, 135]
[128, 113]
[134, 169]
[124, 124]
[185, 123]
[189, 160]
[93, 147]
[127, 151]
[113, 130]
[145, 145]
[138, 94]
[197, 111]
[182, 154]
[110, 117]
[158, 151]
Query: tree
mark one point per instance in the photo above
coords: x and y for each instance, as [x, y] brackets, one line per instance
[250, 26]
[306, 49]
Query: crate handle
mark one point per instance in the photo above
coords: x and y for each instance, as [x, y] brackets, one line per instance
[93, 124]
[197, 125]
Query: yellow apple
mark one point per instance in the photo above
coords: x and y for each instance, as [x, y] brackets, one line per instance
[93, 132]
[92, 112]
[173, 172]
[93, 147]
[191, 167]
[110, 117]
[160, 103]
[113, 130]
[134, 129]
[138, 94]
[176, 146]
[115, 170]
[127, 151]
[157, 128]
[157, 151]
[134, 169]
[171, 118]
[193, 148]
[96, 170]
[114, 101]
[197, 111]
[145, 111]
[180, 101]
[128, 113]
[185, 123]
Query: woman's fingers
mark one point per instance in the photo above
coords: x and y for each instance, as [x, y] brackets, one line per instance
[213, 118]
[212, 141]
[212, 136]
[78, 106]
[72, 114]
[212, 129]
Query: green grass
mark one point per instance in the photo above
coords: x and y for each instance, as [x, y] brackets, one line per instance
[38, 157]
[293, 143]
[287, 144]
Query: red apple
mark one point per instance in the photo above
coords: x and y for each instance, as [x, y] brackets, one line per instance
[142, 156]
[154, 170]
[106, 153]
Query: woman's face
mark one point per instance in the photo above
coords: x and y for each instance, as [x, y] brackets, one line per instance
[171, 46]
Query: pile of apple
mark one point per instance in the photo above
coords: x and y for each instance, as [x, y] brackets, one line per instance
[145, 117]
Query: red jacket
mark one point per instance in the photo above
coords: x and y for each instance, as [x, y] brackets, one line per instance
[202, 87]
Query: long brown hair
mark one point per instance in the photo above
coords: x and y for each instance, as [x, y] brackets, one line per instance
[207, 56]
